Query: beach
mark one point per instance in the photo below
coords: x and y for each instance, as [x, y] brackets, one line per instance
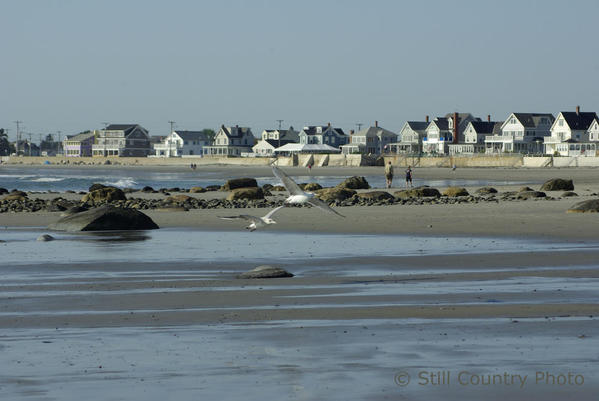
[455, 291]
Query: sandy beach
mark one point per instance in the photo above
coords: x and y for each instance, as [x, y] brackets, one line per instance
[349, 324]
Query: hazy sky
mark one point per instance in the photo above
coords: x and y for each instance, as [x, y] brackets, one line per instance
[71, 65]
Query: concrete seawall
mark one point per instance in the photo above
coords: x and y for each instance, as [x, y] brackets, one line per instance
[320, 160]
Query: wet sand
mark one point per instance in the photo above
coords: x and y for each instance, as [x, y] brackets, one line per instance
[344, 328]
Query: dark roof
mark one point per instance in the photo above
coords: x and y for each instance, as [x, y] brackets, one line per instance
[276, 143]
[418, 125]
[579, 121]
[483, 127]
[442, 123]
[235, 131]
[121, 127]
[311, 130]
[532, 119]
[192, 135]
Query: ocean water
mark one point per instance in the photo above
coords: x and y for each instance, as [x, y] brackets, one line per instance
[60, 179]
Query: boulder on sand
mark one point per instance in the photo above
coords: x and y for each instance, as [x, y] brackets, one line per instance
[558, 184]
[106, 194]
[376, 195]
[354, 182]
[455, 191]
[246, 193]
[486, 191]
[239, 183]
[418, 192]
[266, 271]
[335, 194]
[310, 186]
[588, 206]
[105, 218]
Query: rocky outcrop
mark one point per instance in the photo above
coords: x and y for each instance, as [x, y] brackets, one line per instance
[95, 187]
[3, 191]
[246, 193]
[531, 194]
[197, 190]
[311, 186]
[588, 206]
[486, 191]
[102, 195]
[16, 196]
[354, 182]
[181, 198]
[265, 271]
[455, 191]
[418, 192]
[558, 184]
[375, 195]
[105, 218]
[239, 183]
[335, 194]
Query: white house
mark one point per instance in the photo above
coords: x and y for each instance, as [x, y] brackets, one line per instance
[570, 133]
[474, 137]
[290, 134]
[323, 135]
[373, 140]
[266, 147]
[231, 141]
[521, 133]
[594, 131]
[443, 131]
[180, 143]
[410, 137]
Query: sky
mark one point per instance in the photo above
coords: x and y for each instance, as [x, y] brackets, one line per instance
[73, 65]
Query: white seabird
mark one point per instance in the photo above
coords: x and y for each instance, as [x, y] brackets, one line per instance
[297, 195]
[255, 222]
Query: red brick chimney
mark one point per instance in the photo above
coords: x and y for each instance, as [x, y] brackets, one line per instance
[577, 110]
[329, 124]
[426, 118]
[488, 117]
[455, 127]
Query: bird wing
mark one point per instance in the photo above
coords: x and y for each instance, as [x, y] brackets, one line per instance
[247, 217]
[319, 203]
[291, 186]
[272, 212]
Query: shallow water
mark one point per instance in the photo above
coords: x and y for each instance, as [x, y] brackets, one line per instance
[61, 179]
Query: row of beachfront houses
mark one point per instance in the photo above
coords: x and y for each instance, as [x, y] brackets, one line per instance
[571, 133]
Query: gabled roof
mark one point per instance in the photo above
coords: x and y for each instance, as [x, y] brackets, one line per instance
[417, 125]
[441, 122]
[276, 142]
[485, 127]
[236, 131]
[580, 120]
[122, 127]
[533, 119]
[192, 135]
[80, 137]
[312, 129]
[374, 131]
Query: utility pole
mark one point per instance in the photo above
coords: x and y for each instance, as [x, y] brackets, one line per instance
[18, 136]
[59, 149]
[279, 134]
[172, 123]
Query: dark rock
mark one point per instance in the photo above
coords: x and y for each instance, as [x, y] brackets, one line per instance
[311, 186]
[16, 196]
[147, 188]
[525, 189]
[588, 206]
[246, 193]
[95, 187]
[106, 194]
[239, 183]
[486, 191]
[568, 194]
[418, 192]
[265, 271]
[558, 184]
[455, 191]
[197, 190]
[335, 194]
[278, 188]
[3, 191]
[45, 238]
[267, 187]
[175, 189]
[354, 182]
[531, 194]
[211, 188]
[375, 195]
[105, 218]
[180, 198]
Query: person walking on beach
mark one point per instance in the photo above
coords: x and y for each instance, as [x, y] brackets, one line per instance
[409, 177]
[389, 174]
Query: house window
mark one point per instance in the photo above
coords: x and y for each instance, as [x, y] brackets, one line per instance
[561, 123]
